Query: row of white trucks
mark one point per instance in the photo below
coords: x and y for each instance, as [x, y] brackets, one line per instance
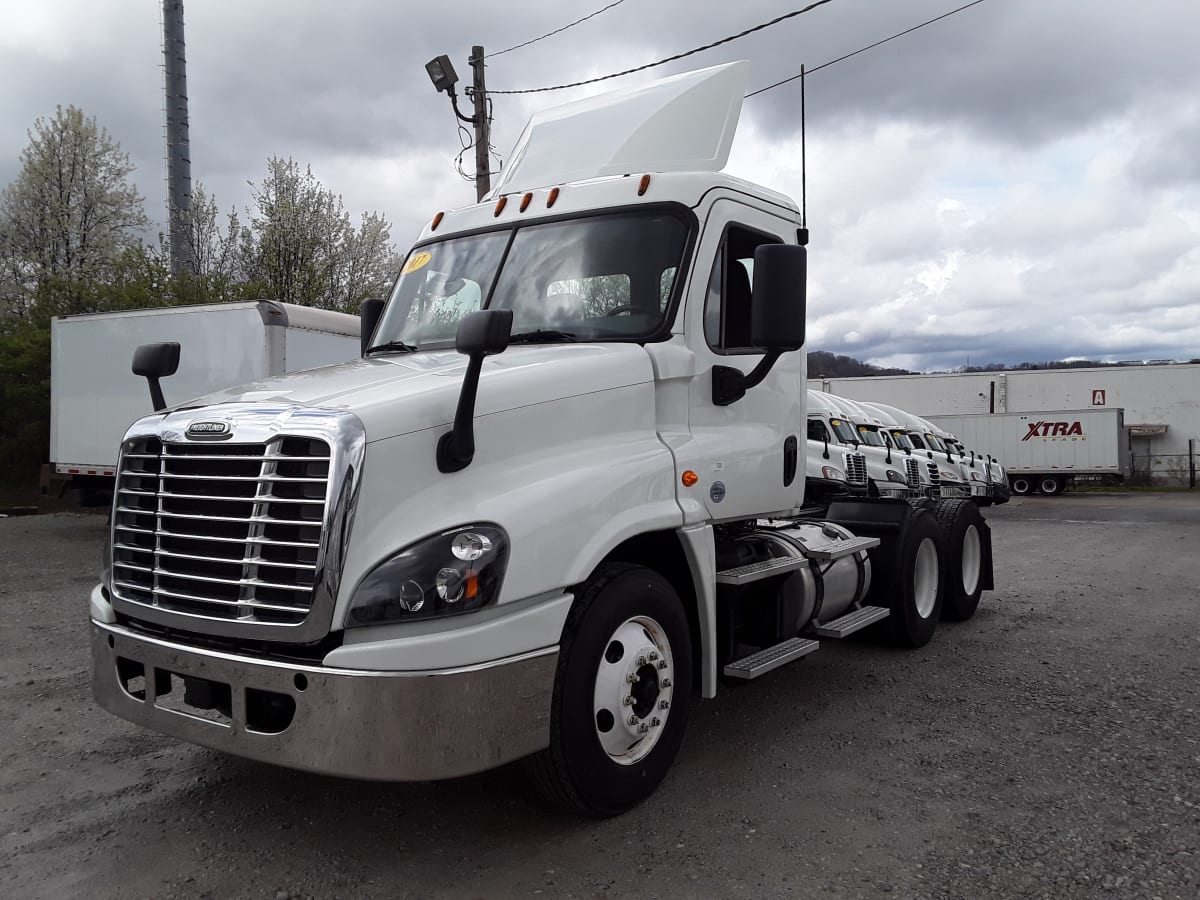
[560, 493]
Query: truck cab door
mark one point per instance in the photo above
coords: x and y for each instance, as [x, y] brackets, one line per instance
[751, 452]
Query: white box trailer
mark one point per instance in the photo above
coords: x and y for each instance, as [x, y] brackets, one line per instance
[94, 395]
[1044, 451]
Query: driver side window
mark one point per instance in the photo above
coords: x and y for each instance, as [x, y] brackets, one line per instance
[727, 306]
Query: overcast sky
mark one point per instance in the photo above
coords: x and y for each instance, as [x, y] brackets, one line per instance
[1017, 182]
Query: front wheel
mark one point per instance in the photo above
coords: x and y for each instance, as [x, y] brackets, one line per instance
[963, 561]
[621, 693]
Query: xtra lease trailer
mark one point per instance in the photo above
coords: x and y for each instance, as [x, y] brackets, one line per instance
[561, 492]
[94, 395]
[1046, 451]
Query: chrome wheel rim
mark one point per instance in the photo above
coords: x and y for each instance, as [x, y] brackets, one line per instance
[972, 560]
[925, 578]
[635, 680]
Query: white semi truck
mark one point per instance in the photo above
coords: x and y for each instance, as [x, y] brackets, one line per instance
[532, 530]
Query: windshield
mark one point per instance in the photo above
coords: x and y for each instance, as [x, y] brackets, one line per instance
[915, 438]
[845, 431]
[900, 439]
[869, 436]
[935, 443]
[598, 278]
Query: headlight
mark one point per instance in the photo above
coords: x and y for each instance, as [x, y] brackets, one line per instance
[455, 572]
[950, 476]
[893, 475]
[833, 472]
[976, 476]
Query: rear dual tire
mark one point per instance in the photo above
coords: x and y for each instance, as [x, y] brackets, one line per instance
[961, 526]
[907, 579]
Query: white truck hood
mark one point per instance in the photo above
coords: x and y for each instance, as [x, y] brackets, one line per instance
[396, 394]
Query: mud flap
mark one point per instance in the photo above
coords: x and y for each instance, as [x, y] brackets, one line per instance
[985, 546]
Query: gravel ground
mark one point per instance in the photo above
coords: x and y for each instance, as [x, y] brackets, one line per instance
[1048, 748]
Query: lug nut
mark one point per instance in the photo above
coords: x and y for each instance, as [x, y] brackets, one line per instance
[656, 721]
[633, 720]
[662, 663]
[653, 655]
[641, 659]
[664, 704]
[632, 678]
[666, 682]
[643, 728]
[627, 700]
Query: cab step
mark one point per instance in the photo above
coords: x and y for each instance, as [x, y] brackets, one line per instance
[855, 620]
[759, 570]
[839, 547]
[764, 661]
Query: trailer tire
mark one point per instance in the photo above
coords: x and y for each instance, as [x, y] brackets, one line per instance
[1021, 485]
[1051, 485]
[911, 580]
[963, 559]
[587, 769]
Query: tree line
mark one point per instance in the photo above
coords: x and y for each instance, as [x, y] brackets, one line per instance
[75, 238]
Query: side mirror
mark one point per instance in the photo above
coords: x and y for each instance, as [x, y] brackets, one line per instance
[479, 334]
[778, 305]
[777, 313]
[486, 331]
[155, 361]
[369, 316]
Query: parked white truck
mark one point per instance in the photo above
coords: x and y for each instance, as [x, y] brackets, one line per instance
[1046, 451]
[530, 530]
[94, 397]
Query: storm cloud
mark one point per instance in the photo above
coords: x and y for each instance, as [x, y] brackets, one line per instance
[1016, 182]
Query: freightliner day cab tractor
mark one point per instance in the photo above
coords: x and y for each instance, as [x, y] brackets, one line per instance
[534, 529]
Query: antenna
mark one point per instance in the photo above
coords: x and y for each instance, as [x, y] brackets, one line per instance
[802, 234]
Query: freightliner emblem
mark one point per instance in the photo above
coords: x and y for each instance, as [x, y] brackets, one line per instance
[209, 430]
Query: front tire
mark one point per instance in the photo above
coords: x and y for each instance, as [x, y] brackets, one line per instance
[621, 693]
[962, 527]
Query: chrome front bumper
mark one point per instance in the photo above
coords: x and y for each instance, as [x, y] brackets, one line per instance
[388, 726]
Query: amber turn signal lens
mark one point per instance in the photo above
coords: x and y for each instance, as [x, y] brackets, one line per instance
[525, 202]
[690, 478]
[643, 185]
[553, 196]
[500, 204]
[437, 220]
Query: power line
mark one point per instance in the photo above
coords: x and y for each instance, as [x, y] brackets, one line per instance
[725, 40]
[831, 62]
[556, 31]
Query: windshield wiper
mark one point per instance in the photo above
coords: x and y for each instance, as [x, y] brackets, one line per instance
[542, 337]
[393, 345]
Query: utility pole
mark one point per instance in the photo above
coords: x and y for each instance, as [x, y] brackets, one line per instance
[179, 156]
[483, 176]
[441, 73]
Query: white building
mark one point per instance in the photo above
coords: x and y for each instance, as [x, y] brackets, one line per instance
[1161, 403]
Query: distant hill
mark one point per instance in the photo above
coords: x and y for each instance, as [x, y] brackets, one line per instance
[822, 364]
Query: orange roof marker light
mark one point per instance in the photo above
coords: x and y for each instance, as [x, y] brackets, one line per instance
[552, 197]
[643, 185]
[690, 478]
[525, 201]
[437, 220]
[500, 204]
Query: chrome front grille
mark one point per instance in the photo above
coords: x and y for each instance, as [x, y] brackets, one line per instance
[935, 481]
[221, 531]
[856, 469]
[912, 470]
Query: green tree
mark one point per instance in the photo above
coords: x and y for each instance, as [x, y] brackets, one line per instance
[71, 212]
[299, 245]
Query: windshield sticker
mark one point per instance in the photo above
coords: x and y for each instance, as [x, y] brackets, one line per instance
[417, 262]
